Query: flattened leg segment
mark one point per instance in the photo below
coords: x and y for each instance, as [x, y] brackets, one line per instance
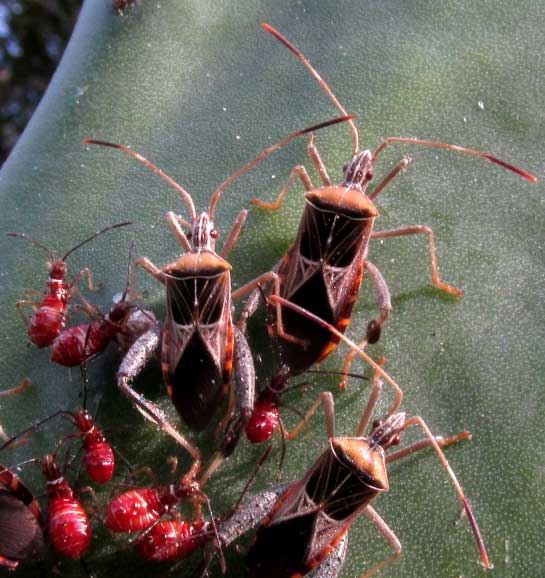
[244, 375]
[251, 513]
[133, 363]
[331, 567]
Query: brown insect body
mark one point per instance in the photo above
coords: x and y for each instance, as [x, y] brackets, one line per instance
[323, 269]
[314, 514]
[198, 335]
[202, 353]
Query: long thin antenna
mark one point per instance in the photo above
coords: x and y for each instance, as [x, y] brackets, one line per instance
[124, 224]
[52, 254]
[442, 145]
[321, 81]
[217, 193]
[186, 196]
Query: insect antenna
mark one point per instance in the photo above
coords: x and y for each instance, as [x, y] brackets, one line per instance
[217, 193]
[52, 254]
[185, 195]
[116, 226]
[321, 81]
[442, 145]
[252, 478]
[34, 427]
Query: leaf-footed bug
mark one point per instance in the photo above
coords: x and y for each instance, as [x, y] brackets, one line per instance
[323, 269]
[304, 525]
[202, 352]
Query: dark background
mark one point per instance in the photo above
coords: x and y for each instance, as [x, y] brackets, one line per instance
[33, 35]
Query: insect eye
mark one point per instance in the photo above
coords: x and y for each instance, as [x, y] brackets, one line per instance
[214, 234]
[377, 423]
[396, 440]
[369, 175]
[189, 236]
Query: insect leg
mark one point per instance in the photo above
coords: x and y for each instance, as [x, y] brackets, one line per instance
[426, 443]
[266, 278]
[374, 328]
[318, 162]
[134, 361]
[331, 567]
[234, 234]
[252, 303]
[239, 414]
[174, 222]
[151, 268]
[298, 171]
[425, 230]
[376, 390]
[326, 399]
[22, 304]
[388, 535]
[88, 274]
[400, 167]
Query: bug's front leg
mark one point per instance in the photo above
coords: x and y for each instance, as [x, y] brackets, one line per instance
[133, 363]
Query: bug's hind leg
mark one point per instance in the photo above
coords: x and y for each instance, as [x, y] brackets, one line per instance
[133, 363]
[374, 328]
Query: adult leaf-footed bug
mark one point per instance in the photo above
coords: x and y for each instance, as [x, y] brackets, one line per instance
[202, 352]
[323, 269]
[304, 526]
[49, 316]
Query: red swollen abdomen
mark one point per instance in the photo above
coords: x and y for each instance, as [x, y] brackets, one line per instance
[261, 425]
[133, 511]
[45, 325]
[99, 462]
[172, 539]
[69, 527]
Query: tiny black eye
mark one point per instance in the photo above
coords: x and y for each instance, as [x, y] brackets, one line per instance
[377, 423]
[396, 440]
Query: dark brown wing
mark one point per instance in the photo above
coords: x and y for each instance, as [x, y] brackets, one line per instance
[198, 345]
[21, 537]
[322, 273]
